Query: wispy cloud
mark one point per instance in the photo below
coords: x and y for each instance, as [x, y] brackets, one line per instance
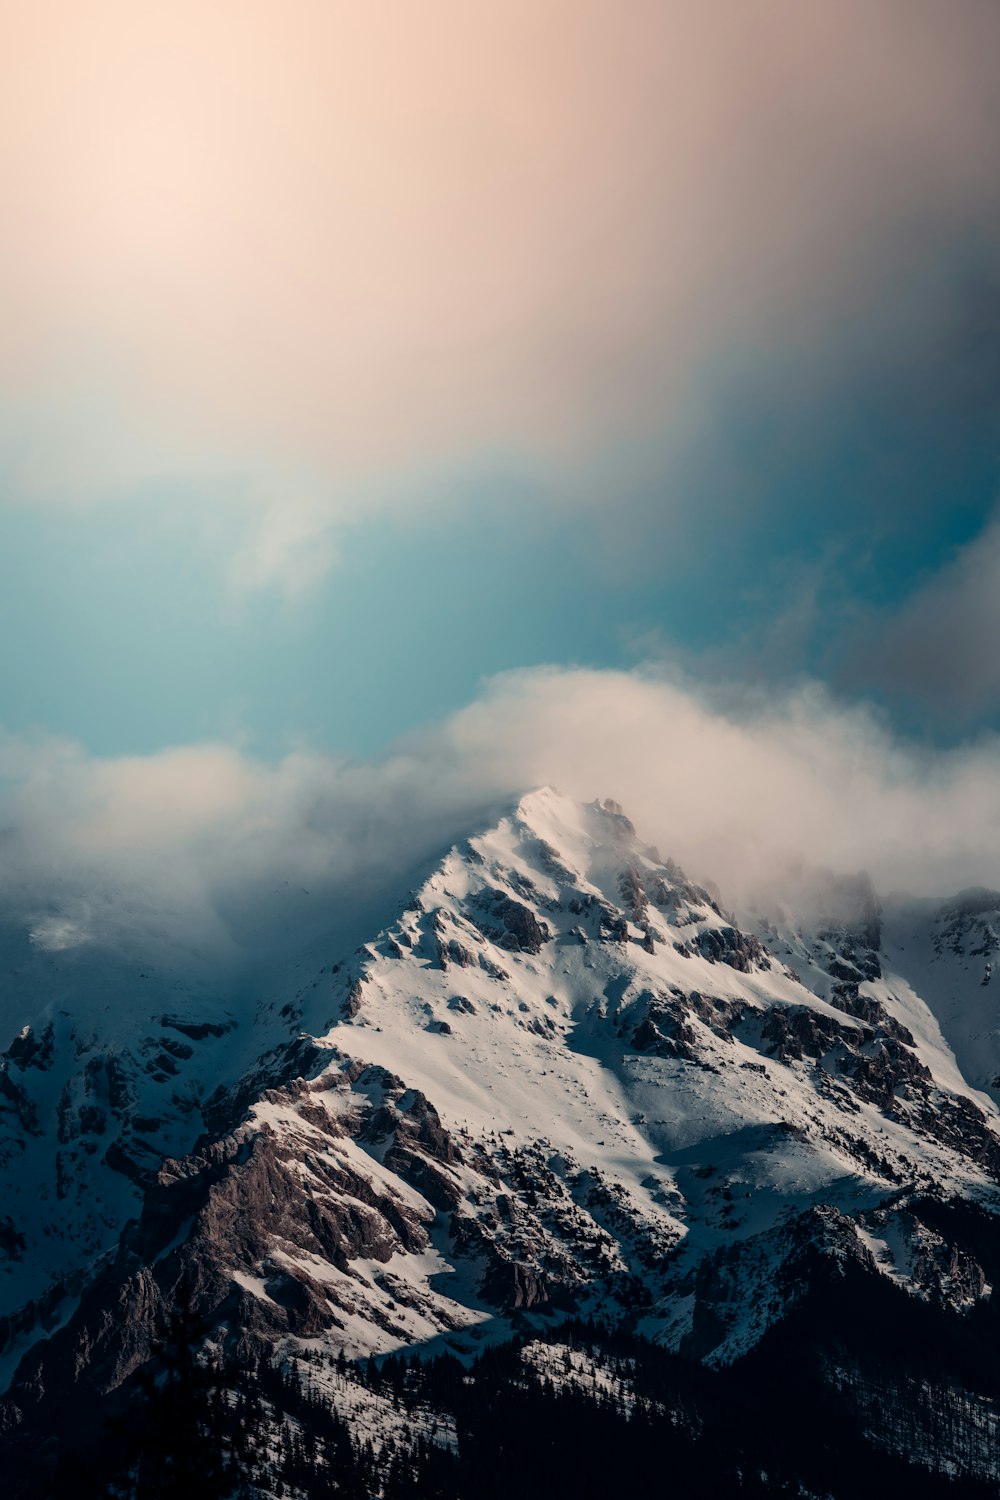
[940, 648]
[206, 852]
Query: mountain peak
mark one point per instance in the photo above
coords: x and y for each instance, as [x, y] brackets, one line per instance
[560, 1078]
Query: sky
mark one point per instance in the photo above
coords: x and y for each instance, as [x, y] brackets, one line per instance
[371, 371]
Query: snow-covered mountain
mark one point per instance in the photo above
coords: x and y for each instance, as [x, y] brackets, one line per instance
[556, 1078]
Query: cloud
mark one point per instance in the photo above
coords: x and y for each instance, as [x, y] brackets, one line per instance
[305, 252]
[55, 934]
[940, 650]
[205, 852]
[738, 784]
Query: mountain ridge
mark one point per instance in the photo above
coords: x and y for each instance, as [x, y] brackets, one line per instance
[559, 1080]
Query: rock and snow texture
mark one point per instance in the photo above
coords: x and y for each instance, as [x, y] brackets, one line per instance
[950, 953]
[559, 1078]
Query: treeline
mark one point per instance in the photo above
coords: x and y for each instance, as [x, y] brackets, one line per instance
[247, 1429]
[665, 1425]
[861, 1391]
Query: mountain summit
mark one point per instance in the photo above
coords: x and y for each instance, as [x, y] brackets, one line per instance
[560, 1080]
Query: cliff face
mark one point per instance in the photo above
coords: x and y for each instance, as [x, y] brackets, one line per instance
[560, 1079]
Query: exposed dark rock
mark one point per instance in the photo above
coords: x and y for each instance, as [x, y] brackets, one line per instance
[137, 1170]
[632, 892]
[179, 1050]
[30, 1051]
[352, 1003]
[93, 1120]
[866, 1008]
[514, 1288]
[436, 1185]
[198, 1031]
[12, 1241]
[797, 1031]
[420, 1125]
[852, 926]
[665, 1024]
[460, 955]
[727, 945]
[509, 924]
[616, 930]
[303, 1057]
[15, 1099]
[622, 828]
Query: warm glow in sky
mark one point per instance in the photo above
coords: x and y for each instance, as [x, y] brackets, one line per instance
[345, 239]
[356, 352]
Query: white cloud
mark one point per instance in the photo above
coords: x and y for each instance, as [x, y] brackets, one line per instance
[55, 934]
[209, 852]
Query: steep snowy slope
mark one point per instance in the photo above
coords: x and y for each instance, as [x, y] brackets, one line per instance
[947, 951]
[931, 961]
[559, 1078]
[555, 981]
[103, 1079]
[114, 1046]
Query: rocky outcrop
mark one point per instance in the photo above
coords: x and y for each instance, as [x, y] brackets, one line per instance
[852, 925]
[637, 1114]
[727, 945]
[509, 924]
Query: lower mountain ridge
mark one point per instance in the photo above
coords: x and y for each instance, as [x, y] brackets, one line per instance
[564, 1178]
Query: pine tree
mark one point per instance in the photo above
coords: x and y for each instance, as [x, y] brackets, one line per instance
[173, 1436]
